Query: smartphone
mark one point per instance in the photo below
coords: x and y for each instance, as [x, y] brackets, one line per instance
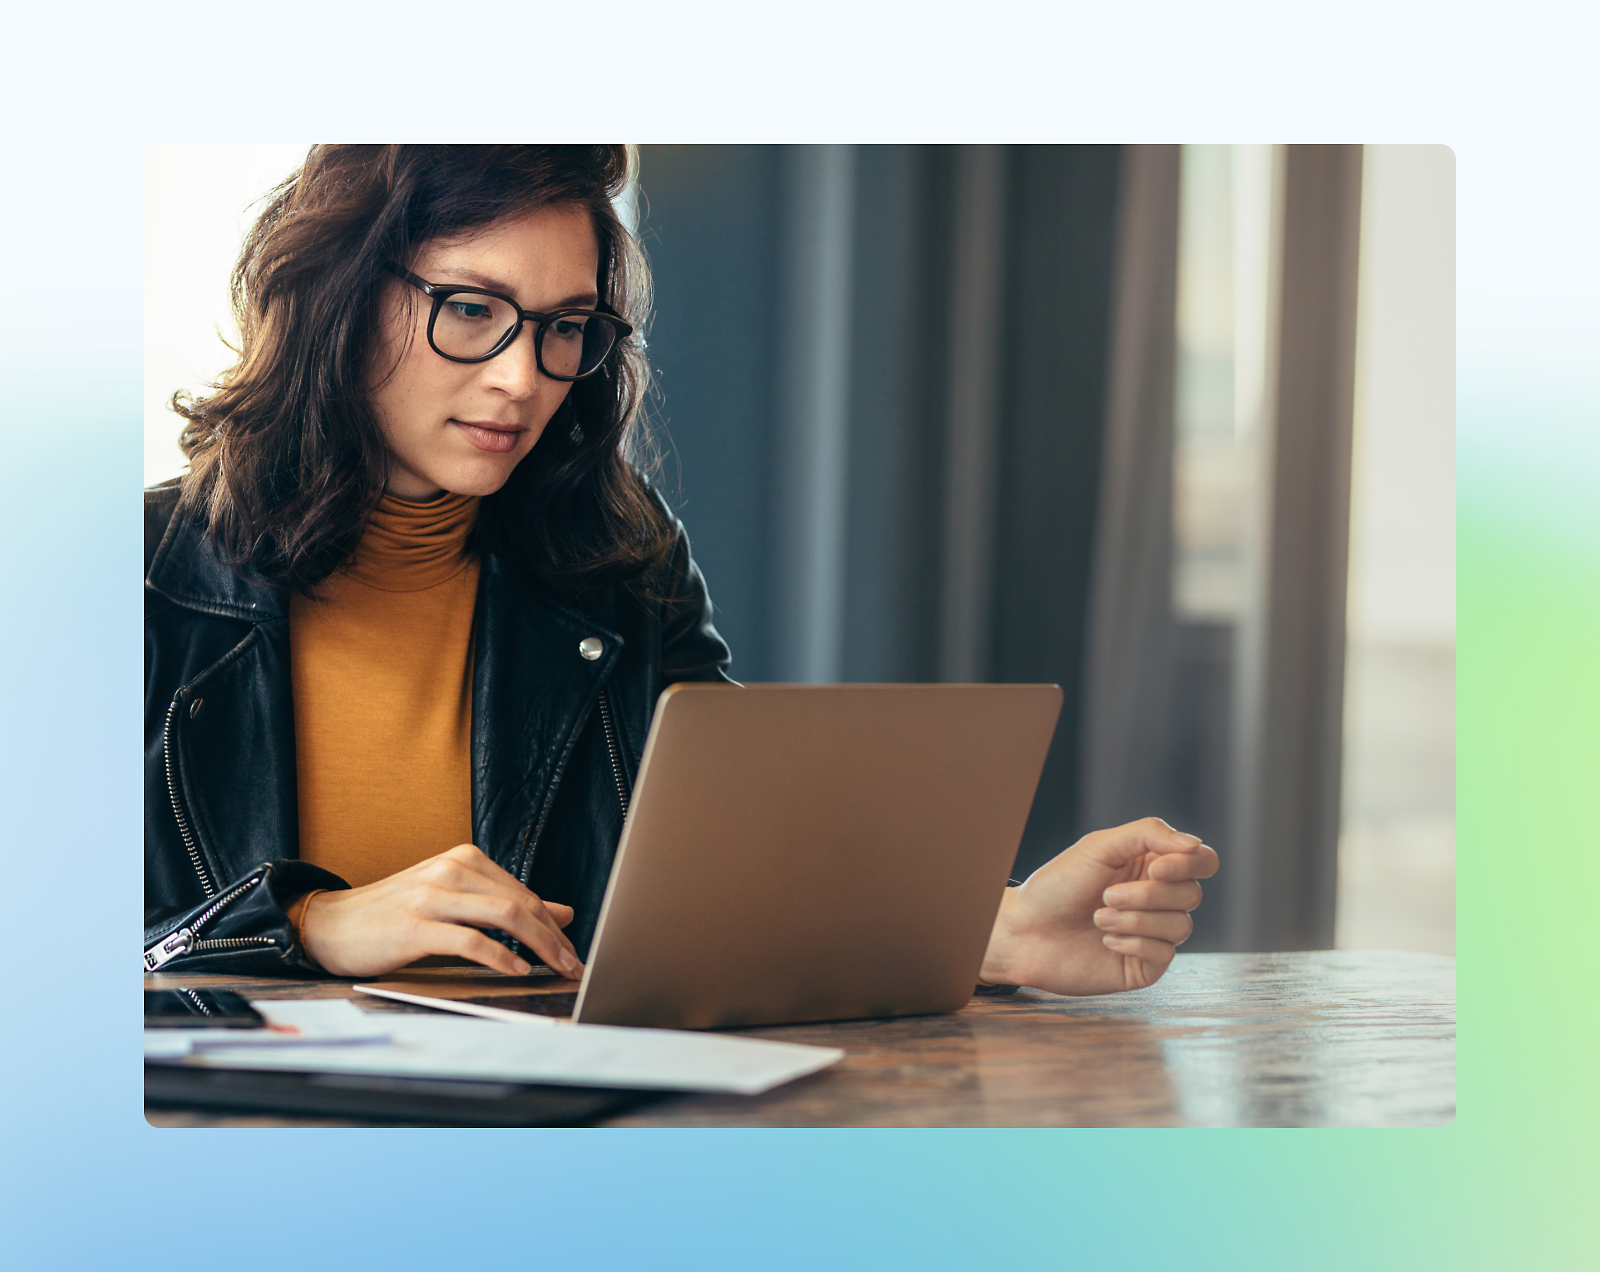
[199, 1009]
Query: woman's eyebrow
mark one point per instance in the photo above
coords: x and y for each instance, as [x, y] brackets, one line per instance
[581, 300]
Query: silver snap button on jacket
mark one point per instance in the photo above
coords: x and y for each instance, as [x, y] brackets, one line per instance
[591, 647]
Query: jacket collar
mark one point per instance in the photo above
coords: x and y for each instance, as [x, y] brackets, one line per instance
[188, 571]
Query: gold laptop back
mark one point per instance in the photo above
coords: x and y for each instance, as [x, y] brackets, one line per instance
[815, 852]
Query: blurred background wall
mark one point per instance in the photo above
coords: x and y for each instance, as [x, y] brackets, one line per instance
[1397, 850]
[1169, 426]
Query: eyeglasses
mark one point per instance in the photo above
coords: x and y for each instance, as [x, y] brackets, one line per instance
[469, 324]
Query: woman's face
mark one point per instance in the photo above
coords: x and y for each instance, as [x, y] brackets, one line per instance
[462, 427]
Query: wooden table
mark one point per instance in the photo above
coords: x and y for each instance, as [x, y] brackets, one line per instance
[1333, 1038]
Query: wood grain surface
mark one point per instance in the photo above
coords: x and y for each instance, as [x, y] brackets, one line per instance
[1330, 1038]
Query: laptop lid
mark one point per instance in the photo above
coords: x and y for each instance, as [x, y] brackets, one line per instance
[814, 852]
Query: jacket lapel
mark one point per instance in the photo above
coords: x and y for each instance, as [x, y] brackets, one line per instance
[532, 692]
[236, 754]
[231, 733]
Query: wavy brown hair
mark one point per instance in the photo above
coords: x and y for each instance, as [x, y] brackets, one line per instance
[286, 460]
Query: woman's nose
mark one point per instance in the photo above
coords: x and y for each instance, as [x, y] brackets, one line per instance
[515, 369]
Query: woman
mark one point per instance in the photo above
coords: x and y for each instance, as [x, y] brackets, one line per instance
[415, 593]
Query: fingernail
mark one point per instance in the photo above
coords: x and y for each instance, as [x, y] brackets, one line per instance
[572, 967]
[522, 967]
[1105, 918]
[1191, 840]
[1114, 897]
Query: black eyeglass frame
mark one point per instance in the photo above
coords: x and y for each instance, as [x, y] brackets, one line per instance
[439, 293]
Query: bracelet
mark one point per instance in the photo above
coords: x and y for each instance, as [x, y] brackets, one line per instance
[297, 920]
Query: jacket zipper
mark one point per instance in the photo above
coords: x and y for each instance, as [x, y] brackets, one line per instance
[616, 772]
[183, 940]
[614, 751]
[189, 844]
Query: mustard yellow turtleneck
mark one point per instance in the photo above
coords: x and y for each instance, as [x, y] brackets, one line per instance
[382, 671]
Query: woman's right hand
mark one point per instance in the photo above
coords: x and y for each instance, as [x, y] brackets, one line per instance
[436, 907]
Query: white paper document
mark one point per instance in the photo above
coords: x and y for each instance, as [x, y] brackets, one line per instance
[574, 1055]
[462, 1008]
[293, 1023]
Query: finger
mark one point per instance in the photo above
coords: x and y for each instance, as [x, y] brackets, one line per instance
[1158, 954]
[1152, 894]
[522, 917]
[1172, 926]
[1198, 864]
[451, 938]
[1121, 845]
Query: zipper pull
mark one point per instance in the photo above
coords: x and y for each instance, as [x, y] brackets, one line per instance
[169, 949]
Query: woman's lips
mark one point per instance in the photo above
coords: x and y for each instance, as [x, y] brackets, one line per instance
[496, 438]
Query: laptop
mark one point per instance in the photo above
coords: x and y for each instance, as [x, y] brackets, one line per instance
[814, 852]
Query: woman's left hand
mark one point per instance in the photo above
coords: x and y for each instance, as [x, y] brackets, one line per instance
[1107, 914]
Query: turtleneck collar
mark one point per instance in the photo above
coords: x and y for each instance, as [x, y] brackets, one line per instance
[407, 547]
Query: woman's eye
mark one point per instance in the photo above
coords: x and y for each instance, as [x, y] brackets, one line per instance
[468, 309]
[568, 328]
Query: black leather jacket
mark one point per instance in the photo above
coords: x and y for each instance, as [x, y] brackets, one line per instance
[556, 741]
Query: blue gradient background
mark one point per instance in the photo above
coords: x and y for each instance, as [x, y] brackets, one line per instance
[85, 1183]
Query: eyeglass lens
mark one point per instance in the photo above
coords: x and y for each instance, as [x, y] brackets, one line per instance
[470, 324]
